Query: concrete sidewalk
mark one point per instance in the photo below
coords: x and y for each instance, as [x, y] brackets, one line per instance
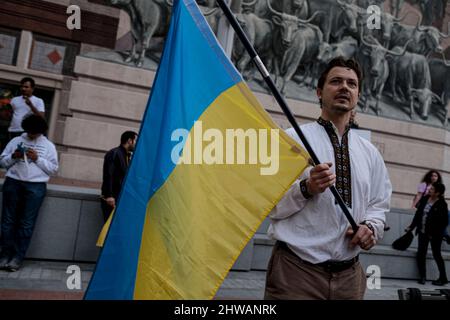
[47, 280]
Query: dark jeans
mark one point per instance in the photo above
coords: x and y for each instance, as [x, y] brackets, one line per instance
[436, 243]
[20, 208]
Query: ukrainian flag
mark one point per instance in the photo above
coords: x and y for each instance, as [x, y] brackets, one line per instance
[178, 228]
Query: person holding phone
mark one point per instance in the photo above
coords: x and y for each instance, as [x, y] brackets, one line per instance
[24, 105]
[29, 159]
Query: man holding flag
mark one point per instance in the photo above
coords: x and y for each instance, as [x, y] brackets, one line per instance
[316, 253]
[178, 227]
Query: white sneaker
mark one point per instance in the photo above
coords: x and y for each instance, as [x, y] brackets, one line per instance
[14, 264]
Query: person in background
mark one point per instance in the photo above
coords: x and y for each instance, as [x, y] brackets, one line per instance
[428, 179]
[431, 219]
[24, 105]
[115, 166]
[30, 159]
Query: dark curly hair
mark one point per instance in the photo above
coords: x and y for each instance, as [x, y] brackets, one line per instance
[427, 177]
[34, 124]
[28, 79]
[439, 188]
[126, 136]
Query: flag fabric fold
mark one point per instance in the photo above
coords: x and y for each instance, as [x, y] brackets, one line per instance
[185, 212]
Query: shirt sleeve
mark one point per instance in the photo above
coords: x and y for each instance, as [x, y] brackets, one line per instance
[108, 171]
[380, 196]
[293, 201]
[6, 160]
[422, 187]
[13, 102]
[40, 105]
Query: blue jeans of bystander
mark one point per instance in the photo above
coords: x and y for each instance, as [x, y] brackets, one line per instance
[21, 203]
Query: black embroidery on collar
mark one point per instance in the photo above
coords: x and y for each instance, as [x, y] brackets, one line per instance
[341, 159]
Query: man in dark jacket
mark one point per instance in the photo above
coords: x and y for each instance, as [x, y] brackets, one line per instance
[115, 167]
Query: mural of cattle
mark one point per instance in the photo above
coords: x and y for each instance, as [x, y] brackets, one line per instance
[259, 33]
[440, 84]
[294, 40]
[298, 8]
[396, 6]
[366, 3]
[374, 60]
[410, 75]
[346, 48]
[387, 23]
[425, 40]
[341, 18]
[432, 10]
[147, 17]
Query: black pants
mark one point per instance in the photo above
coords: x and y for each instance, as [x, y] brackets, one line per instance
[436, 243]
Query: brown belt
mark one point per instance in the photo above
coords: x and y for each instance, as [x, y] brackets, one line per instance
[328, 266]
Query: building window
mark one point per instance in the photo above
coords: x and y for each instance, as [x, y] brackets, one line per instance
[9, 46]
[53, 55]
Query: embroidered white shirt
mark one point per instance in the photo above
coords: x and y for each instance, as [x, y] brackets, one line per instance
[315, 228]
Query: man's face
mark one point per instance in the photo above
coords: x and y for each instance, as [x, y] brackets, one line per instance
[431, 192]
[340, 91]
[132, 144]
[26, 89]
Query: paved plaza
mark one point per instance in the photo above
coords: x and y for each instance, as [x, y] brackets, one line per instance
[47, 280]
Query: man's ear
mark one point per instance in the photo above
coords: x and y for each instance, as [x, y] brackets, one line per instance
[319, 93]
[319, 96]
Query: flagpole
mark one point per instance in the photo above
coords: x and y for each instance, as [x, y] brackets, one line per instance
[265, 74]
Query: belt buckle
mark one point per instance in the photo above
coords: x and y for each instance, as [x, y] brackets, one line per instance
[328, 266]
[338, 266]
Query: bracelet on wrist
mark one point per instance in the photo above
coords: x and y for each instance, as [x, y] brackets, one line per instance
[304, 189]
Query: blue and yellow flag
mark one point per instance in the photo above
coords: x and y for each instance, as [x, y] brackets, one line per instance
[196, 191]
